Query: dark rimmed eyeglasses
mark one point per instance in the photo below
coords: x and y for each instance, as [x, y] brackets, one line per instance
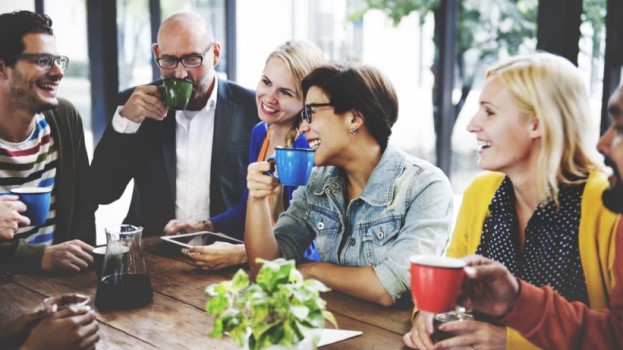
[45, 60]
[188, 61]
[306, 113]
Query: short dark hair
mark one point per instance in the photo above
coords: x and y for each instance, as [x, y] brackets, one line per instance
[14, 26]
[361, 88]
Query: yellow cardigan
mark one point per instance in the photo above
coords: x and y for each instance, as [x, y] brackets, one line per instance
[596, 237]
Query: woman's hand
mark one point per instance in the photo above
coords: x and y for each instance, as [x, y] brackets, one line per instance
[259, 183]
[420, 335]
[473, 335]
[175, 227]
[218, 255]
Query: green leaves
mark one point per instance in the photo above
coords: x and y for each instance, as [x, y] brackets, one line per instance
[281, 308]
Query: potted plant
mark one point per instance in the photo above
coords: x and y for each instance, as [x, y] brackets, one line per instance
[281, 308]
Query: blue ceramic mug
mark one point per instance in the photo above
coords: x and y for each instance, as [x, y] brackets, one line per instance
[37, 200]
[294, 165]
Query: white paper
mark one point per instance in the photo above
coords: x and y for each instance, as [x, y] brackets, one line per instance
[330, 336]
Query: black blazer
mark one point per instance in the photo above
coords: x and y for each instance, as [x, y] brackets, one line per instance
[148, 157]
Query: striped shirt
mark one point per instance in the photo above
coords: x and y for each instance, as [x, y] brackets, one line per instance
[32, 163]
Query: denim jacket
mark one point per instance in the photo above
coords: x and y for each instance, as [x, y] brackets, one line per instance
[404, 209]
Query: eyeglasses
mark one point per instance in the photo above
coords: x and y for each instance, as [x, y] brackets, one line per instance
[306, 113]
[188, 61]
[45, 60]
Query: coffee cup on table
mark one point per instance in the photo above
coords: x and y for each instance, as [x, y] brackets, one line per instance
[436, 282]
[294, 165]
[98, 260]
[37, 201]
[176, 93]
[75, 302]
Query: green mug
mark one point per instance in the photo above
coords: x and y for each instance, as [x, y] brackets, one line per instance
[176, 93]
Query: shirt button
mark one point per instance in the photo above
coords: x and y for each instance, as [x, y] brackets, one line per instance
[352, 241]
[320, 225]
[380, 235]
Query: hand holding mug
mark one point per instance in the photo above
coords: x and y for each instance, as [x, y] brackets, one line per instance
[11, 216]
[489, 287]
[65, 329]
[293, 164]
[436, 282]
[260, 184]
[72, 256]
[144, 103]
[37, 201]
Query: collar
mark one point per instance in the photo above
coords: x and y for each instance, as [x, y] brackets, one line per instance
[184, 117]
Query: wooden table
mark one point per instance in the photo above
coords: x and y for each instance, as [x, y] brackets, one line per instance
[176, 318]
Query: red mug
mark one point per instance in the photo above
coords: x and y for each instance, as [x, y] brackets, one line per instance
[436, 282]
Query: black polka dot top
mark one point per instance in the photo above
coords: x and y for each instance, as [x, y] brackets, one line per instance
[551, 253]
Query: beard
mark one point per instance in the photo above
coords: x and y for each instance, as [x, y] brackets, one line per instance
[613, 195]
[24, 94]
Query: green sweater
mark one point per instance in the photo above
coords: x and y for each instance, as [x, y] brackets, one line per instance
[75, 218]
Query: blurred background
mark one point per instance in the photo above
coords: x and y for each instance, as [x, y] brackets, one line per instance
[434, 51]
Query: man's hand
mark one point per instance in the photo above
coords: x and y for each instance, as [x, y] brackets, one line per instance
[72, 256]
[10, 216]
[144, 103]
[65, 329]
[489, 287]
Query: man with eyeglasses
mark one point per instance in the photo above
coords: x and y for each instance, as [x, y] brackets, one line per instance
[41, 145]
[188, 165]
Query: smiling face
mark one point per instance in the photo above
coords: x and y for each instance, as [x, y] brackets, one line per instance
[507, 136]
[31, 87]
[611, 146]
[328, 133]
[277, 101]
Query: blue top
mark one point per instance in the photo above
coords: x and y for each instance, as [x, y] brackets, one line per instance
[404, 209]
[231, 222]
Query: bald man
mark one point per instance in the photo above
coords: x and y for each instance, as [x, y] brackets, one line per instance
[189, 164]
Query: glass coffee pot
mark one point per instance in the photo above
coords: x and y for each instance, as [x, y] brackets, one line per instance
[124, 282]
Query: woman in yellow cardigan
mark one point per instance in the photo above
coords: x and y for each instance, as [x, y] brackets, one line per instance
[538, 208]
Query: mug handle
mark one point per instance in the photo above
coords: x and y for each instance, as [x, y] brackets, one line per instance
[273, 163]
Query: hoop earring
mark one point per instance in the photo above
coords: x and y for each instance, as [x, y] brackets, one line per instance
[354, 130]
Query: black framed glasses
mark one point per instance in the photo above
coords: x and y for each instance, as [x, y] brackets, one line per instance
[306, 113]
[188, 61]
[45, 60]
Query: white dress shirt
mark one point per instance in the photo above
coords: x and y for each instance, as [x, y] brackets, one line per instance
[194, 133]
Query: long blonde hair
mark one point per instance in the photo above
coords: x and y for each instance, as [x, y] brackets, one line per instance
[301, 57]
[550, 88]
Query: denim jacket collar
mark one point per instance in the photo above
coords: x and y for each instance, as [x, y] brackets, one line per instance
[378, 191]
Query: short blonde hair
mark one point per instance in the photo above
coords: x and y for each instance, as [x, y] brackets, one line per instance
[550, 88]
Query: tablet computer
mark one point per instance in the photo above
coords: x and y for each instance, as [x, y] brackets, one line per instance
[201, 238]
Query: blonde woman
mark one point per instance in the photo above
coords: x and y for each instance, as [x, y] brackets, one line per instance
[279, 99]
[537, 209]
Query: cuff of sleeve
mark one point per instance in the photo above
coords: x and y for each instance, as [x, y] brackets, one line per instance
[123, 125]
[389, 281]
[28, 257]
[530, 298]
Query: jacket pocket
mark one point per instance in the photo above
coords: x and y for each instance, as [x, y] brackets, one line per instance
[378, 236]
[327, 227]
